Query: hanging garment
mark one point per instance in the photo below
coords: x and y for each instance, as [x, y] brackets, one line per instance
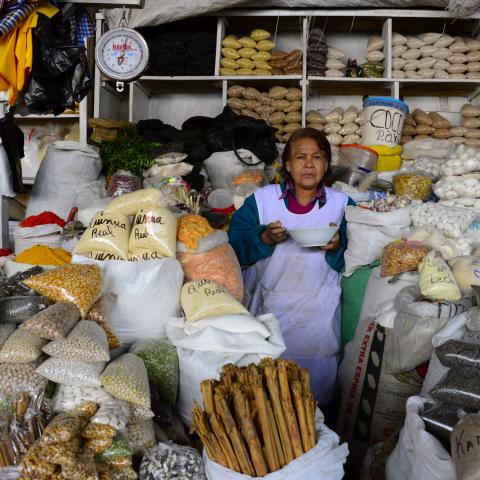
[299, 287]
[12, 141]
[81, 26]
[60, 75]
[16, 54]
[12, 16]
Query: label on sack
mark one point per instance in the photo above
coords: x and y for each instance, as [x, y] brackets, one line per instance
[106, 236]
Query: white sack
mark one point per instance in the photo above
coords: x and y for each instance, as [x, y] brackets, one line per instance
[66, 168]
[223, 166]
[202, 354]
[90, 200]
[417, 321]
[418, 454]
[370, 409]
[369, 232]
[324, 461]
[147, 295]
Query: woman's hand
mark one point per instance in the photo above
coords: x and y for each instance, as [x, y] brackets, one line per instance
[274, 233]
[334, 243]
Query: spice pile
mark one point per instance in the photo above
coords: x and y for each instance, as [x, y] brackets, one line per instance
[284, 428]
[280, 107]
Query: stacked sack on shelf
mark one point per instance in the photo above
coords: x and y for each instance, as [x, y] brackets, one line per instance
[281, 107]
[287, 63]
[340, 125]
[374, 65]
[435, 55]
[419, 125]
[247, 55]
[323, 60]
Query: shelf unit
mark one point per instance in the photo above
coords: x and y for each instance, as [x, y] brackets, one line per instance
[174, 99]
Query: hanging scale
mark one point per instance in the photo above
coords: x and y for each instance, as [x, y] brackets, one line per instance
[122, 54]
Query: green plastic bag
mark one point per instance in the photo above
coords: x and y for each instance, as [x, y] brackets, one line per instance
[353, 291]
[161, 361]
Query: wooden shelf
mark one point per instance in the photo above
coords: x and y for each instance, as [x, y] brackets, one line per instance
[439, 88]
[109, 3]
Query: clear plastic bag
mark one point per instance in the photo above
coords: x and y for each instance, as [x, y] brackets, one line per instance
[72, 372]
[126, 378]
[141, 436]
[400, 257]
[459, 387]
[68, 397]
[98, 445]
[130, 203]
[436, 279]
[123, 182]
[97, 431]
[439, 421]
[161, 361]
[54, 322]
[464, 440]
[459, 354]
[77, 284]
[63, 453]
[120, 448]
[21, 347]
[5, 332]
[82, 469]
[107, 233]
[414, 185]
[66, 426]
[20, 377]
[87, 342]
[113, 413]
[31, 467]
[220, 265]
[204, 298]
[100, 313]
[153, 235]
[172, 461]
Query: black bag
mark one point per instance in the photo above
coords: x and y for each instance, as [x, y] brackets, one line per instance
[12, 141]
[230, 132]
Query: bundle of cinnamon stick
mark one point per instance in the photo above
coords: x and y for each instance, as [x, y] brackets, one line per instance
[257, 419]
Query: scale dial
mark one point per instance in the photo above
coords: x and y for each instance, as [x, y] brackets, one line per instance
[122, 54]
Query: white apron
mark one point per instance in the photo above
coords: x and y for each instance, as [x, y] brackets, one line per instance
[299, 287]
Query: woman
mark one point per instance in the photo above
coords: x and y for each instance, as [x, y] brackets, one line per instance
[301, 286]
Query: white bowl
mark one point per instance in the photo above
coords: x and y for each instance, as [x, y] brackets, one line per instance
[313, 237]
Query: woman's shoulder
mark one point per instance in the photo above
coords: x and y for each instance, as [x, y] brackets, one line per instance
[336, 196]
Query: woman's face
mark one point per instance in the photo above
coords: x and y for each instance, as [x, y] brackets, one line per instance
[307, 163]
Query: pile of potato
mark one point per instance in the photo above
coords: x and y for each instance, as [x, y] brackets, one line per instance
[420, 124]
[247, 55]
[340, 125]
[280, 107]
[435, 55]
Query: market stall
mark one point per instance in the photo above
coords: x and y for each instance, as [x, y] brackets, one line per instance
[127, 348]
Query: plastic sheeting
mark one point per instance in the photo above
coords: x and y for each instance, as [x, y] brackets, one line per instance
[157, 13]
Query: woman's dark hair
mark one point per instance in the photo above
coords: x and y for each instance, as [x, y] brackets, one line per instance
[301, 133]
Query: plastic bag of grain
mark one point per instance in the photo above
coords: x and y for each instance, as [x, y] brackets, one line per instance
[204, 298]
[130, 203]
[153, 236]
[106, 233]
[206, 254]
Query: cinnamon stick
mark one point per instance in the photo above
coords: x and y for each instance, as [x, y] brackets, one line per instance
[210, 442]
[230, 427]
[271, 377]
[301, 416]
[271, 454]
[310, 406]
[248, 430]
[276, 436]
[206, 388]
[288, 410]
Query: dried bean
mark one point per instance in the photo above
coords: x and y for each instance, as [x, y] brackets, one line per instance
[54, 322]
[97, 431]
[33, 468]
[126, 379]
[141, 436]
[21, 347]
[87, 342]
[173, 462]
[72, 372]
[64, 427]
[78, 284]
[20, 376]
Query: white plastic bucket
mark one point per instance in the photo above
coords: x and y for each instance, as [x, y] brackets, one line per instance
[383, 121]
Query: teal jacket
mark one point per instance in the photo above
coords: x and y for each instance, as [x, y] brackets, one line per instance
[245, 236]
